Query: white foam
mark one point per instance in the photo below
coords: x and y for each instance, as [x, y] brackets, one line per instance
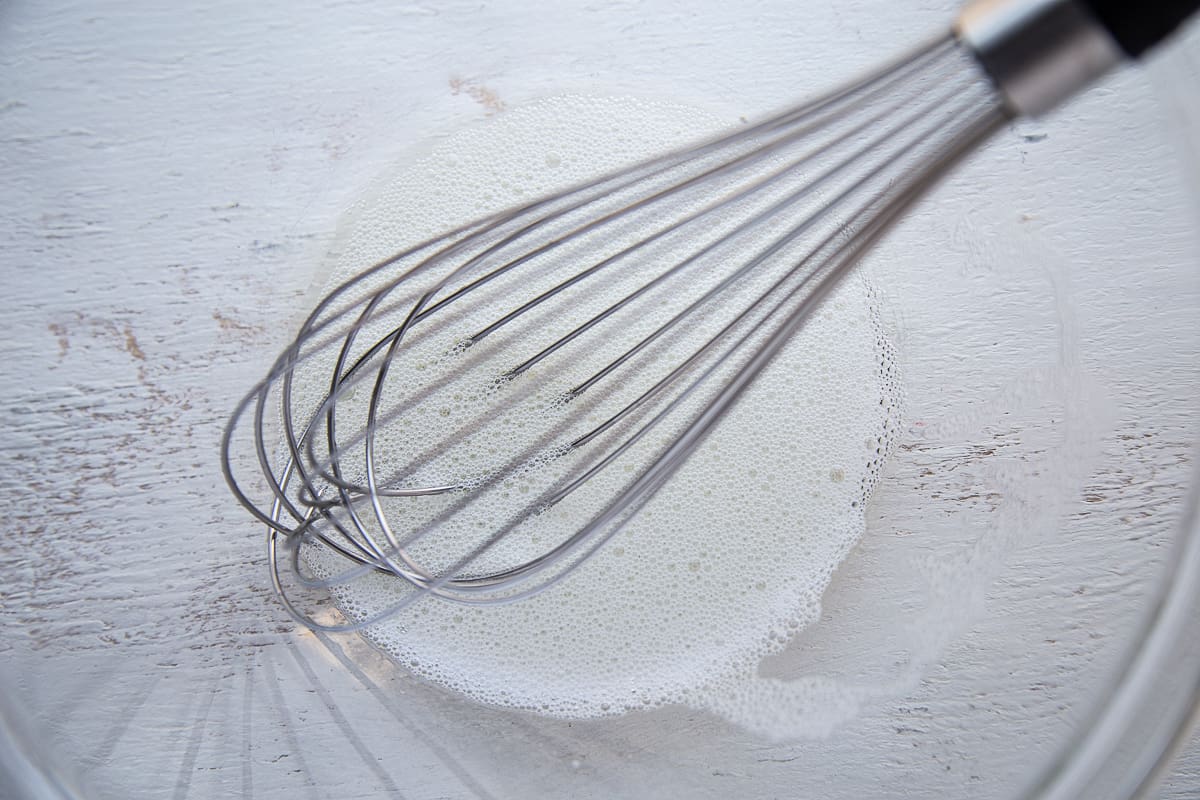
[726, 562]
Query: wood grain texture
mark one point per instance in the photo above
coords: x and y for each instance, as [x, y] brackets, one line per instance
[171, 177]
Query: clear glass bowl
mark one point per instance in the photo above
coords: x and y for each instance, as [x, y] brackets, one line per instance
[1023, 606]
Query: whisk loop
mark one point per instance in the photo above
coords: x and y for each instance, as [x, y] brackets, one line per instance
[545, 370]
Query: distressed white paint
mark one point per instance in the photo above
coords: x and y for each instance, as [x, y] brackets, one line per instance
[170, 176]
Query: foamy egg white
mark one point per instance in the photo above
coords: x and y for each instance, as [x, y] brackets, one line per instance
[730, 558]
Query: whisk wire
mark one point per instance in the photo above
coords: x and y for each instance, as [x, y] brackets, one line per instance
[871, 148]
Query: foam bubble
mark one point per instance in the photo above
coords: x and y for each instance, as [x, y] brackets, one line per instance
[727, 561]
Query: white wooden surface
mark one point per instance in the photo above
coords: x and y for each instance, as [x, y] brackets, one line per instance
[169, 178]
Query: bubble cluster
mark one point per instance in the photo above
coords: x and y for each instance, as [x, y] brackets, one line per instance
[727, 561]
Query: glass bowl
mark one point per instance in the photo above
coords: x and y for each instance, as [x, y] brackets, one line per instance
[1019, 619]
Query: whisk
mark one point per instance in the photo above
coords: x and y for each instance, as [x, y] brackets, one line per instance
[477, 415]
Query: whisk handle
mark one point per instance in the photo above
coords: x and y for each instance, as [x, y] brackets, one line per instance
[1137, 27]
[1040, 52]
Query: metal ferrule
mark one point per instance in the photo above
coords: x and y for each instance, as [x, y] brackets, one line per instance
[1038, 52]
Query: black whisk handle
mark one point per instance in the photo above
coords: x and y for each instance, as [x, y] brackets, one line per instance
[1137, 27]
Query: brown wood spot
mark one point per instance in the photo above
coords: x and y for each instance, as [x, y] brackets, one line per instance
[132, 346]
[479, 93]
[64, 340]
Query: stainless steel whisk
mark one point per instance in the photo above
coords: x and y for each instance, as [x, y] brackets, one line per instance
[545, 370]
